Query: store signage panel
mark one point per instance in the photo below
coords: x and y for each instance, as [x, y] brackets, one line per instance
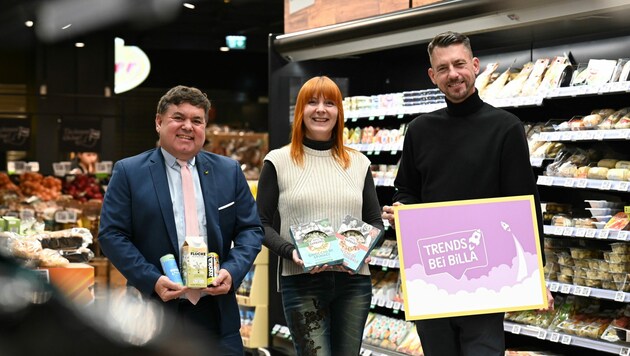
[470, 257]
[132, 66]
[15, 134]
[80, 135]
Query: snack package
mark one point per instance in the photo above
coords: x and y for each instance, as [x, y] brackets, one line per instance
[316, 243]
[356, 239]
[195, 262]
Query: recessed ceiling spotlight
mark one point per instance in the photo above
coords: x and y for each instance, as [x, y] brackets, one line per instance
[29, 23]
[189, 6]
[79, 44]
[223, 49]
[66, 26]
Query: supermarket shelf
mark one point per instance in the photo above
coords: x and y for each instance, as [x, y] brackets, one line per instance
[371, 350]
[585, 135]
[565, 339]
[601, 184]
[537, 100]
[376, 148]
[602, 234]
[583, 291]
[384, 262]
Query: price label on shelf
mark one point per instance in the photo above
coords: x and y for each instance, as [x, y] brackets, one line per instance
[566, 288]
[371, 118]
[400, 116]
[568, 231]
[380, 302]
[366, 352]
[606, 185]
[559, 230]
[565, 339]
[581, 183]
[382, 117]
[623, 186]
[389, 304]
[620, 297]
[545, 180]
[622, 235]
[624, 351]
[542, 334]
[577, 290]
[373, 301]
[569, 182]
[396, 306]
[555, 337]
[553, 287]
[580, 232]
[603, 234]
[598, 135]
[590, 233]
[516, 329]
[586, 292]
[536, 161]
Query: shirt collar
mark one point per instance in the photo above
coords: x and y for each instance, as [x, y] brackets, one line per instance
[171, 161]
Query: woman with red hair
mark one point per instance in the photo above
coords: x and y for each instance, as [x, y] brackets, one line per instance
[316, 177]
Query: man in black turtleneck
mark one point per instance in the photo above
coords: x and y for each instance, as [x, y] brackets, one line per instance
[468, 150]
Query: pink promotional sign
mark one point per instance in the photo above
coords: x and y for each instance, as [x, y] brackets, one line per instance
[470, 257]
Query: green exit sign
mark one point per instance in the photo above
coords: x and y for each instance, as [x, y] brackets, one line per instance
[236, 42]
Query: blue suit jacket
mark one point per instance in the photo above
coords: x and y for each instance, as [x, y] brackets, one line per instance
[137, 225]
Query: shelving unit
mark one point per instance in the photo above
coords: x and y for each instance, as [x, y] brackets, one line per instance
[258, 302]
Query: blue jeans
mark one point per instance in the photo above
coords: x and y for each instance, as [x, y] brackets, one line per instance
[326, 312]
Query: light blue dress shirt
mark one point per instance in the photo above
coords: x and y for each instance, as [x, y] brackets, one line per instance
[177, 196]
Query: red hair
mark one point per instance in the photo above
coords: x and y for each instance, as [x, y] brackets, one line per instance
[314, 88]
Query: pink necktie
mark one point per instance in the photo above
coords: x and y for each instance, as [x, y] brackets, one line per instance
[190, 214]
[190, 207]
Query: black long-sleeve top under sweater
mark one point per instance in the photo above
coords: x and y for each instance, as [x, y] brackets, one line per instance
[468, 150]
[268, 193]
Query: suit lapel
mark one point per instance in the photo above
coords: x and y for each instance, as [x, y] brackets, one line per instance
[208, 184]
[160, 183]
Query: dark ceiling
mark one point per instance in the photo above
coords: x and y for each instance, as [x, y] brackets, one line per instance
[150, 24]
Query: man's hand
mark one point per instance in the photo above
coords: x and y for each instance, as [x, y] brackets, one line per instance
[388, 213]
[168, 290]
[221, 285]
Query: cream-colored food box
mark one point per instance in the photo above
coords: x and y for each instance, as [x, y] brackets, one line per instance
[195, 262]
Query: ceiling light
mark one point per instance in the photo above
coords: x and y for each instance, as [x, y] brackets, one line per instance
[66, 26]
[79, 45]
[29, 23]
[189, 6]
[223, 49]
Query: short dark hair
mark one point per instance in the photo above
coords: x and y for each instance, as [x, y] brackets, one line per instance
[448, 38]
[183, 94]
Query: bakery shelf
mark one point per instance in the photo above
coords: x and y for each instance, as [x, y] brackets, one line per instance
[601, 184]
[585, 135]
[565, 288]
[602, 234]
[566, 339]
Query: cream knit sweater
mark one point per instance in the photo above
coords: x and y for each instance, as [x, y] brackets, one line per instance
[321, 188]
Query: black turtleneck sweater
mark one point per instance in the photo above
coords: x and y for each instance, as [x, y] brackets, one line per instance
[268, 193]
[468, 150]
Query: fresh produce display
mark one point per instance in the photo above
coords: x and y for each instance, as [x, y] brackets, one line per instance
[35, 184]
[83, 188]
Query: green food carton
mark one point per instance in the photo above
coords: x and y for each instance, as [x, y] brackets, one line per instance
[316, 243]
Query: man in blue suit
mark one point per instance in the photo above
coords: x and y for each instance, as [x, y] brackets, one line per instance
[142, 219]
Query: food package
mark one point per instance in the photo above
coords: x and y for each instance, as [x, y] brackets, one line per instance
[618, 174]
[484, 78]
[619, 221]
[51, 258]
[194, 262]
[610, 121]
[618, 75]
[597, 173]
[356, 240]
[530, 87]
[513, 87]
[607, 163]
[597, 72]
[591, 121]
[623, 123]
[317, 244]
[492, 90]
[559, 68]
